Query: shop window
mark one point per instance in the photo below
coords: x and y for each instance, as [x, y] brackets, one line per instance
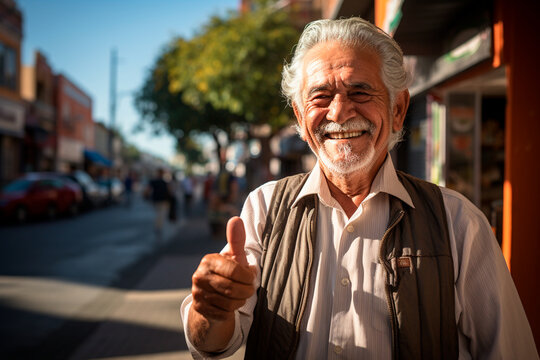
[475, 145]
[461, 144]
[8, 67]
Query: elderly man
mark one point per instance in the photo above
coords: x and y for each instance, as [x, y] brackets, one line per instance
[355, 259]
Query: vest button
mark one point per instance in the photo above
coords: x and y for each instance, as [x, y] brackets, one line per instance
[338, 349]
[350, 228]
[345, 282]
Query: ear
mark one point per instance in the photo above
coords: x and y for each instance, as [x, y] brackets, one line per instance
[299, 118]
[401, 104]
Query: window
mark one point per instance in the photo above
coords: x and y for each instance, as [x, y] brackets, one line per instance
[8, 67]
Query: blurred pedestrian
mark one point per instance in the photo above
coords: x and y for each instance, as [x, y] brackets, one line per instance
[187, 188]
[208, 184]
[128, 188]
[222, 205]
[173, 200]
[159, 193]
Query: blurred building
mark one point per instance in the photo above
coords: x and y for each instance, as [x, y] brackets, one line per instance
[110, 149]
[474, 114]
[74, 124]
[12, 108]
[97, 161]
[37, 88]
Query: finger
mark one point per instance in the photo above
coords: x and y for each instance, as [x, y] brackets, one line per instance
[211, 299]
[226, 267]
[211, 312]
[226, 287]
[236, 238]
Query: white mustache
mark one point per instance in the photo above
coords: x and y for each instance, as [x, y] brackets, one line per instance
[350, 125]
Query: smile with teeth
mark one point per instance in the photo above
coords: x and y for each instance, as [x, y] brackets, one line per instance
[344, 135]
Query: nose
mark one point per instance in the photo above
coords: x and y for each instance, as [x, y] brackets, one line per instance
[340, 109]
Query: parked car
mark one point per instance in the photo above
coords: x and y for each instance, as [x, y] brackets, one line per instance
[93, 195]
[39, 194]
[117, 188]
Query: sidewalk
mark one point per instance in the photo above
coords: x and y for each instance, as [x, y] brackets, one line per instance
[145, 323]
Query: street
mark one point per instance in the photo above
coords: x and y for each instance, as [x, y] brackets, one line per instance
[61, 279]
[89, 249]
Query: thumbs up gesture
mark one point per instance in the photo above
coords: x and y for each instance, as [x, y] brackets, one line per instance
[223, 282]
[236, 239]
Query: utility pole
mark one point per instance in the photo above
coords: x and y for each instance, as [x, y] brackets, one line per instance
[112, 114]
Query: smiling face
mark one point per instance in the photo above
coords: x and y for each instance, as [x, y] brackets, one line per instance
[346, 118]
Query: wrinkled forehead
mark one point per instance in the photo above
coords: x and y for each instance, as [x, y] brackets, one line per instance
[336, 59]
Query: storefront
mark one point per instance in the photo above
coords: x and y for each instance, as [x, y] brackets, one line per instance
[37, 89]
[70, 154]
[74, 124]
[11, 106]
[474, 117]
[457, 124]
[11, 139]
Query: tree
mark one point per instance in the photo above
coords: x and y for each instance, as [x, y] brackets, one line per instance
[165, 109]
[192, 152]
[230, 72]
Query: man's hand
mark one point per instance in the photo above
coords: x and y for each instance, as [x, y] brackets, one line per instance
[221, 284]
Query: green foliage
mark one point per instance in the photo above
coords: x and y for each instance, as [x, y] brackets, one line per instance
[165, 108]
[237, 66]
[130, 153]
[229, 72]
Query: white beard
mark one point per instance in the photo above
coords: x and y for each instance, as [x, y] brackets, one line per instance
[349, 161]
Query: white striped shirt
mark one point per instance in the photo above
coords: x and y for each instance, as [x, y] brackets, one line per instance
[347, 315]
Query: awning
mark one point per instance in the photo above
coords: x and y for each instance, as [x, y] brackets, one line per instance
[96, 158]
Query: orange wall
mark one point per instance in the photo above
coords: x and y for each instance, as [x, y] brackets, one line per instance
[380, 12]
[521, 230]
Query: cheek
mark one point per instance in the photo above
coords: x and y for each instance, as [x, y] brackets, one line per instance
[313, 117]
[377, 115]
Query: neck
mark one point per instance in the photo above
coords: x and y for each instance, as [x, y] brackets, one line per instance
[351, 189]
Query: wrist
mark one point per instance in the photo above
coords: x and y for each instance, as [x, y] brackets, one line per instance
[209, 334]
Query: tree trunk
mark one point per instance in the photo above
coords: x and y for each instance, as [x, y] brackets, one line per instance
[220, 150]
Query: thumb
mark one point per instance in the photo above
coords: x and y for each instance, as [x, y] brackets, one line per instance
[236, 238]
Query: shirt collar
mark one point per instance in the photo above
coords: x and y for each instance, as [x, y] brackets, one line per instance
[385, 181]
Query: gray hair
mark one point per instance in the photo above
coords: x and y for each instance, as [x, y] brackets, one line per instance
[353, 31]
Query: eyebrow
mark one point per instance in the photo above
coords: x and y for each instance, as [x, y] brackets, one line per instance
[353, 85]
[318, 88]
[360, 86]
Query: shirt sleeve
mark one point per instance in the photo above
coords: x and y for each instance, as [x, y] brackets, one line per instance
[491, 320]
[254, 217]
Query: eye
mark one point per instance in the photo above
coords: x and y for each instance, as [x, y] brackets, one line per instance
[360, 96]
[321, 96]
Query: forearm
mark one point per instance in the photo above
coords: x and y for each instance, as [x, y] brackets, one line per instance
[209, 335]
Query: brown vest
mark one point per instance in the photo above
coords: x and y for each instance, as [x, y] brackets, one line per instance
[415, 253]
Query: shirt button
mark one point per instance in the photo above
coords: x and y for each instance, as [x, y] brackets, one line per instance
[345, 282]
[350, 228]
[338, 349]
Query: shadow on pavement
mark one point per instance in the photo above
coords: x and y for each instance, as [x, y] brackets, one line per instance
[154, 285]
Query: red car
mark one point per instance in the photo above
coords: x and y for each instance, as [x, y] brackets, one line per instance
[38, 194]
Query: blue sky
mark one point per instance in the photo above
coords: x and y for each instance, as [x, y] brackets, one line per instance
[77, 37]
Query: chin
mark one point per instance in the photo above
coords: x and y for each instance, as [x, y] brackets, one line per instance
[349, 162]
